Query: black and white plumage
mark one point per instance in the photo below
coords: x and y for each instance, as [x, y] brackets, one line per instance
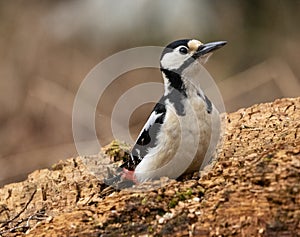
[183, 128]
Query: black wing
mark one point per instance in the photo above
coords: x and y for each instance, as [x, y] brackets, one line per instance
[148, 136]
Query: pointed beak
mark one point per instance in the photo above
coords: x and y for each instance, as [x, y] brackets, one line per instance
[209, 47]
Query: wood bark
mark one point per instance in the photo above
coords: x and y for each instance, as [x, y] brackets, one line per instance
[253, 189]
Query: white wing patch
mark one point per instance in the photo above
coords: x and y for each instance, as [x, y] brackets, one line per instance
[151, 120]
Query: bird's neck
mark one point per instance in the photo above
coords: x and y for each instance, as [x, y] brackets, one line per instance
[173, 80]
[181, 83]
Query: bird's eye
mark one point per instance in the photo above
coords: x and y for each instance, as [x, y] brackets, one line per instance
[183, 50]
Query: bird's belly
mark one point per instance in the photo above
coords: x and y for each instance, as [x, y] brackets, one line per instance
[189, 134]
[181, 146]
[196, 132]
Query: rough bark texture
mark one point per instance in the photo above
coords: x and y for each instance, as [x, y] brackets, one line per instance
[252, 190]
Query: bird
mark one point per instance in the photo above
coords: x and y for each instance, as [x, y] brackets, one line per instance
[183, 128]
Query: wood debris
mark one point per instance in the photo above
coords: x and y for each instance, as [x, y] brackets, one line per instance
[252, 190]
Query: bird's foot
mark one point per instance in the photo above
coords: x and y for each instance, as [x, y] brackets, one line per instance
[123, 179]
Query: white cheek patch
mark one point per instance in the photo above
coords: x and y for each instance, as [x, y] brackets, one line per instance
[173, 60]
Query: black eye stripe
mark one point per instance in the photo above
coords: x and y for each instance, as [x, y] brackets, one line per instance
[183, 50]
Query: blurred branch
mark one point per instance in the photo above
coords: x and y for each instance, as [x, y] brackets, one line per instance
[272, 70]
[53, 94]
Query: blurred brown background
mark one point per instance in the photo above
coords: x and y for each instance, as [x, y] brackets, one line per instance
[48, 47]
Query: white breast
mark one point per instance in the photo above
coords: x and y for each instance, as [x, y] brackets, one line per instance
[183, 142]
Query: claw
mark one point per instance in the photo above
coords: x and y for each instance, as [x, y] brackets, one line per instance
[124, 178]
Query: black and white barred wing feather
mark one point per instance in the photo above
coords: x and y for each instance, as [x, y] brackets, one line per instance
[147, 138]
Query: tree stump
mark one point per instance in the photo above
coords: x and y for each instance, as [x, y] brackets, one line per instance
[252, 190]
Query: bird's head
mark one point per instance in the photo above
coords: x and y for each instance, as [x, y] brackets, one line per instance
[187, 54]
